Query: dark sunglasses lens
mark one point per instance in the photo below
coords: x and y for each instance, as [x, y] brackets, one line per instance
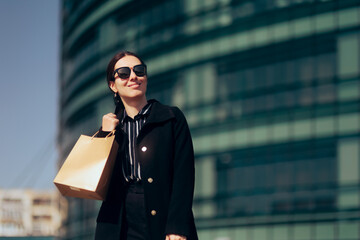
[140, 70]
[123, 72]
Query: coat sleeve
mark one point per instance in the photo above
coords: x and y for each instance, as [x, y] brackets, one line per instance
[180, 208]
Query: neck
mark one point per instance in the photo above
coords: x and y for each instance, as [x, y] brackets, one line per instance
[134, 106]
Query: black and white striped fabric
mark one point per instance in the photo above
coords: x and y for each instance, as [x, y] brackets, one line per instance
[132, 127]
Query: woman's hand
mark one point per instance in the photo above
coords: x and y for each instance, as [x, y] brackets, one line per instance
[109, 122]
[174, 237]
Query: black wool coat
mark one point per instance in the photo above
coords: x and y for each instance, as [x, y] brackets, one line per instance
[165, 153]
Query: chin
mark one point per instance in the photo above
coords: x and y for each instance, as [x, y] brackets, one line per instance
[136, 95]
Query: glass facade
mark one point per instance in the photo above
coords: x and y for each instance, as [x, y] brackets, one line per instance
[271, 91]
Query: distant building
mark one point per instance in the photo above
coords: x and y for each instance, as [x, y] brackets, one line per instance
[28, 238]
[29, 213]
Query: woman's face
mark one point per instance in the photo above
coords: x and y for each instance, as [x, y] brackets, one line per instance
[133, 87]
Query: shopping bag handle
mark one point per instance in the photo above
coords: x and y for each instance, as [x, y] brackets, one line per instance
[110, 134]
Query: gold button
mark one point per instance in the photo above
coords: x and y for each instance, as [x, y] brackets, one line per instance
[153, 212]
[150, 180]
[144, 149]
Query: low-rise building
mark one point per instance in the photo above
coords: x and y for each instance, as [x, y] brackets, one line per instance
[25, 212]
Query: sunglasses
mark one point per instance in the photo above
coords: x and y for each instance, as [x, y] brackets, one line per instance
[124, 72]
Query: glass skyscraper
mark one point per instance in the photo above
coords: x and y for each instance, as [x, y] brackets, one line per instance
[271, 92]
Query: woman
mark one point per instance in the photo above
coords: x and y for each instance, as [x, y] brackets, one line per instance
[151, 190]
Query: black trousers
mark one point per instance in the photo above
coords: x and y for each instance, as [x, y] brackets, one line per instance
[135, 213]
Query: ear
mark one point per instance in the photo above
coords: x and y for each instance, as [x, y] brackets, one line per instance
[112, 85]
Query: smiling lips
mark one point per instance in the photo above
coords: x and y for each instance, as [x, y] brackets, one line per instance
[134, 85]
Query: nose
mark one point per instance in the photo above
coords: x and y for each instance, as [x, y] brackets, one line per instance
[133, 76]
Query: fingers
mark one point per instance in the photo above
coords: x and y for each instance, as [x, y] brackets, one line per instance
[111, 115]
[174, 237]
[110, 118]
[109, 122]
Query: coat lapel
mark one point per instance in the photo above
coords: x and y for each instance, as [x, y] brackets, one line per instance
[158, 114]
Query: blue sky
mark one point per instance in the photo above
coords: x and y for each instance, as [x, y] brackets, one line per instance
[29, 63]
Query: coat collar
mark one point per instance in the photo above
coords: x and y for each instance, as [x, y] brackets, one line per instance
[145, 111]
[158, 112]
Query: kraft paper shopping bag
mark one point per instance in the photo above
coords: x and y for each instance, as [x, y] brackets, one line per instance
[87, 170]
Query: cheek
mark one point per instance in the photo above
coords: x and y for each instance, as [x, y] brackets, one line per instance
[144, 85]
[119, 84]
[119, 87]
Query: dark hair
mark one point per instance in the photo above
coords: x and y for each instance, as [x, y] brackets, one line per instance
[110, 72]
